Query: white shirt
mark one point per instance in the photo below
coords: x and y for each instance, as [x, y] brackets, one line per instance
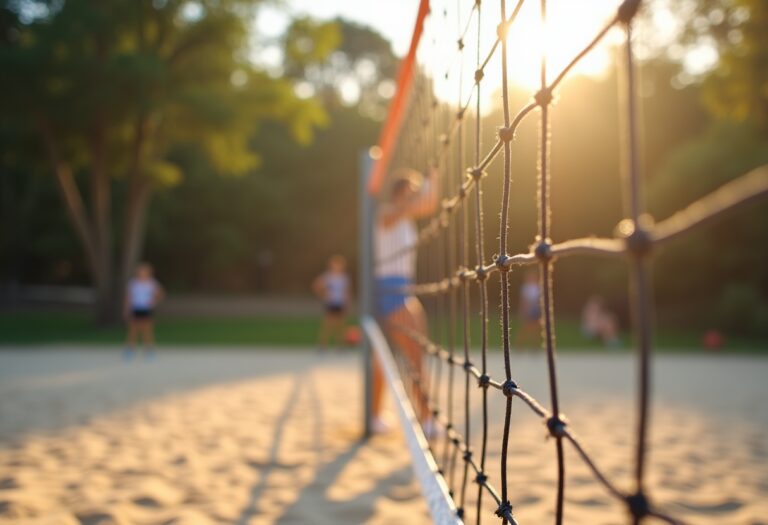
[336, 288]
[393, 258]
[530, 293]
[141, 293]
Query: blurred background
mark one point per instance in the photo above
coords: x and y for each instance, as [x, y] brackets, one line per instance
[219, 140]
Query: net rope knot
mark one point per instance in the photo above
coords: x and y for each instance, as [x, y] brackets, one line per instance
[543, 250]
[556, 426]
[504, 510]
[484, 381]
[476, 173]
[637, 235]
[506, 134]
[481, 274]
[544, 97]
[509, 387]
[638, 504]
[502, 262]
[479, 74]
[627, 11]
[502, 29]
[481, 478]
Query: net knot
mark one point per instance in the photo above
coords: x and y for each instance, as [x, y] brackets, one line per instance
[476, 173]
[460, 512]
[462, 275]
[481, 478]
[462, 191]
[444, 139]
[460, 42]
[467, 365]
[638, 505]
[479, 74]
[543, 250]
[506, 134]
[467, 455]
[627, 11]
[460, 114]
[544, 97]
[456, 441]
[504, 510]
[449, 204]
[509, 387]
[481, 273]
[636, 235]
[435, 413]
[556, 426]
[502, 262]
[502, 29]
[483, 381]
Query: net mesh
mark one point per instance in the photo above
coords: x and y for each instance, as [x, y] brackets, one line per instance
[454, 267]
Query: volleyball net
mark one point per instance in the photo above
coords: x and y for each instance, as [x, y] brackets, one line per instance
[425, 132]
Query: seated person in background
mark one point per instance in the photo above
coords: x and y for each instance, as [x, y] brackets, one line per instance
[333, 288]
[599, 323]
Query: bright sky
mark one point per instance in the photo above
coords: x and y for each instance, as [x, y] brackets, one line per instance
[571, 25]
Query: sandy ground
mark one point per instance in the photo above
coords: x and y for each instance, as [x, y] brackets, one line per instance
[244, 437]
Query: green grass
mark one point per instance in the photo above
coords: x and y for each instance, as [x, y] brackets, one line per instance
[39, 328]
[76, 328]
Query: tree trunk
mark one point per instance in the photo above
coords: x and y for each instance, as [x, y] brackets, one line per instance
[106, 309]
[134, 223]
[70, 195]
[135, 228]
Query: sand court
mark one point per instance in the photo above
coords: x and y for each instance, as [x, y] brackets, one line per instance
[203, 435]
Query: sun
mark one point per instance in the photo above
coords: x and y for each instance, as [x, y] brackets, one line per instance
[571, 25]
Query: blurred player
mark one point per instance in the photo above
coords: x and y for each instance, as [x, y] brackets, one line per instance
[411, 197]
[142, 295]
[333, 288]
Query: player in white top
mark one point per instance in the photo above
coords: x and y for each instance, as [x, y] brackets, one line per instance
[142, 295]
[333, 288]
[411, 197]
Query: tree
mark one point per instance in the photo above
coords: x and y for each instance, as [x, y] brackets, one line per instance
[736, 87]
[359, 72]
[108, 89]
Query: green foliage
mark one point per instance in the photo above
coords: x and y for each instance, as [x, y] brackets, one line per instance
[106, 91]
[737, 88]
[718, 274]
[362, 62]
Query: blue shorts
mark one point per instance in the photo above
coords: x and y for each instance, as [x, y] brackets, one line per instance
[391, 294]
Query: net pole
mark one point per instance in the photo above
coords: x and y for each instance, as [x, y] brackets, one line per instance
[365, 277]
